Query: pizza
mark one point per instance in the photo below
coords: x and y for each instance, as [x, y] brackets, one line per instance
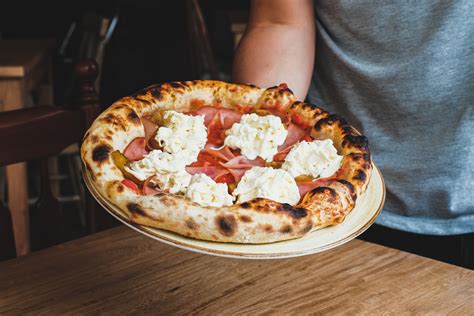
[226, 162]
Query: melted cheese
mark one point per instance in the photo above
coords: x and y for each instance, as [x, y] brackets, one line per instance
[318, 158]
[274, 184]
[182, 133]
[257, 136]
[205, 191]
[174, 182]
[168, 170]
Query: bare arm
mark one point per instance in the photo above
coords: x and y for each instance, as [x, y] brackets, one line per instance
[278, 45]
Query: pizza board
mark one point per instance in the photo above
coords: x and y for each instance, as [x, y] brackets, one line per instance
[366, 210]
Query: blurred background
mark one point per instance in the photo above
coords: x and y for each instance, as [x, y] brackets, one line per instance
[135, 44]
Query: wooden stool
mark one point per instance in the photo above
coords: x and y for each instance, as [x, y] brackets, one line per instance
[25, 66]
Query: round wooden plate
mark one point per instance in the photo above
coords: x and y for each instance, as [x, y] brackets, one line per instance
[366, 210]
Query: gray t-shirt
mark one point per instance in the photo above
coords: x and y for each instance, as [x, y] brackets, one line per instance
[403, 73]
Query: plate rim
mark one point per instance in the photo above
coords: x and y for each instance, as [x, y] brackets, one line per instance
[232, 254]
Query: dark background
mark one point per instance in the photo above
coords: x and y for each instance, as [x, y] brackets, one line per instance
[149, 45]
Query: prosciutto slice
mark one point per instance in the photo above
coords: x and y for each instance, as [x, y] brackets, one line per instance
[212, 172]
[295, 133]
[224, 153]
[217, 120]
[148, 188]
[237, 166]
[208, 112]
[227, 118]
[150, 128]
[136, 149]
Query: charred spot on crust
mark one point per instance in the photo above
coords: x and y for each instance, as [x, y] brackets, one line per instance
[286, 229]
[191, 224]
[227, 225]
[348, 185]
[176, 85]
[141, 99]
[112, 119]
[136, 209]
[358, 141]
[331, 191]
[109, 118]
[120, 188]
[268, 228]
[329, 120]
[155, 91]
[360, 175]
[295, 212]
[307, 228]
[101, 153]
[285, 90]
[245, 218]
[94, 139]
[295, 104]
[245, 205]
[132, 116]
[166, 200]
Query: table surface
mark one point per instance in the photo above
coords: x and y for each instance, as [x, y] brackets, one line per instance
[121, 271]
[19, 56]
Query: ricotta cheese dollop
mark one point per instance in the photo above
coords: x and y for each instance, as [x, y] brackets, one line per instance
[182, 133]
[206, 192]
[318, 158]
[168, 169]
[264, 182]
[174, 182]
[257, 136]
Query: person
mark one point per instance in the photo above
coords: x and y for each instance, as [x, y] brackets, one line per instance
[403, 74]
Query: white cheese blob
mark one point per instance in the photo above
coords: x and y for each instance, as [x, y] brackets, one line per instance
[175, 182]
[318, 158]
[168, 169]
[182, 133]
[257, 136]
[206, 192]
[274, 184]
[156, 161]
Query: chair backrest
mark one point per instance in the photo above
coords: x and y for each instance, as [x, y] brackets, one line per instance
[43, 131]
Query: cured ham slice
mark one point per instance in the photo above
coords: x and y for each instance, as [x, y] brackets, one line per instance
[242, 162]
[224, 153]
[227, 118]
[237, 166]
[237, 174]
[136, 149]
[295, 133]
[132, 185]
[212, 172]
[217, 120]
[149, 126]
[208, 112]
[148, 188]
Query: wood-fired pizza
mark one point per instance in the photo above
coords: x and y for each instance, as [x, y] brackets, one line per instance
[226, 162]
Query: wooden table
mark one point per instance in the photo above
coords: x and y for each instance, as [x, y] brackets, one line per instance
[120, 271]
[25, 65]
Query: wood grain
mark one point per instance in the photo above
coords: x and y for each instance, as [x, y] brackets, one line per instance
[120, 272]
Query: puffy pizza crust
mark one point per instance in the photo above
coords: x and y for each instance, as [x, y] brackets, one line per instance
[256, 221]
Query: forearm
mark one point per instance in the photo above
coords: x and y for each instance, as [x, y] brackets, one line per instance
[274, 53]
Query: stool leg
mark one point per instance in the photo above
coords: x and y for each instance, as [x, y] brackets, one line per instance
[18, 204]
[14, 95]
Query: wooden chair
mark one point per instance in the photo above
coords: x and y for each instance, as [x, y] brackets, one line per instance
[36, 134]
